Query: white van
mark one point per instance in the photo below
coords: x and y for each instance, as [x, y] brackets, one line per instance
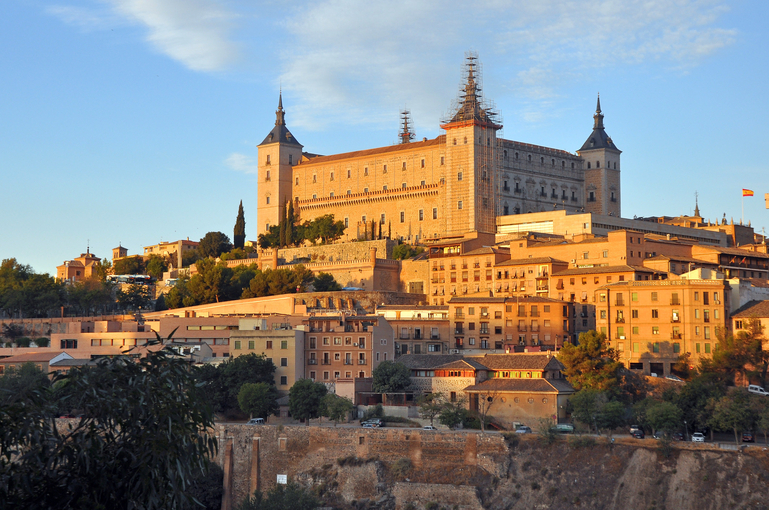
[758, 390]
[255, 421]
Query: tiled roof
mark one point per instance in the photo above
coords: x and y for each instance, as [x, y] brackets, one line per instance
[604, 269]
[518, 361]
[462, 364]
[405, 147]
[427, 361]
[31, 356]
[753, 309]
[535, 260]
[484, 299]
[522, 386]
[487, 250]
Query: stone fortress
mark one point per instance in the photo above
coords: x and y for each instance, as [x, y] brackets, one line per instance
[456, 183]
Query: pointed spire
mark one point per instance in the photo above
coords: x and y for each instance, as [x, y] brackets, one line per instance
[598, 117]
[696, 205]
[280, 119]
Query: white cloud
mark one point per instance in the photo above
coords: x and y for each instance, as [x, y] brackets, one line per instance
[194, 32]
[86, 19]
[351, 59]
[241, 163]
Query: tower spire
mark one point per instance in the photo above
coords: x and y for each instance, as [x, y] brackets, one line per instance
[280, 119]
[696, 205]
[598, 117]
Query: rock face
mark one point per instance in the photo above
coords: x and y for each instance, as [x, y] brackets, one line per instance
[406, 470]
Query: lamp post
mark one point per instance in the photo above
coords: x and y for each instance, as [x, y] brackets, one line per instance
[686, 431]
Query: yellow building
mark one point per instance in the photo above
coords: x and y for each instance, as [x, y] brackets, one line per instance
[456, 183]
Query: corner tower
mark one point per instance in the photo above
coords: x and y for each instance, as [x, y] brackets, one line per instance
[278, 153]
[471, 145]
[602, 169]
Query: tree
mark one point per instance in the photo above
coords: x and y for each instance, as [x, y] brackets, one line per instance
[258, 399]
[207, 489]
[239, 232]
[664, 416]
[304, 399]
[26, 293]
[240, 370]
[134, 297]
[129, 265]
[156, 266]
[391, 377]
[336, 408]
[453, 413]
[694, 396]
[586, 405]
[733, 411]
[290, 225]
[592, 364]
[763, 417]
[142, 438]
[405, 251]
[214, 244]
[21, 380]
[486, 399]
[325, 282]
[431, 405]
[282, 497]
[282, 225]
[740, 355]
[611, 415]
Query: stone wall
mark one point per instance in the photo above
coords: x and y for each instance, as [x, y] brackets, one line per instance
[337, 251]
[254, 456]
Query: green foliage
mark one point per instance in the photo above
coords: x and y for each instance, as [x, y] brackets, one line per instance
[207, 489]
[142, 438]
[129, 265]
[304, 399]
[282, 497]
[592, 364]
[42, 341]
[323, 228]
[235, 254]
[336, 408]
[325, 282]
[23, 341]
[401, 467]
[665, 446]
[214, 244]
[12, 331]
[239, 232]
[223, 382]
[734, 411]
[373, 412]
[664, 416]
[740, 355]
[155, 266]
[90, 297]
[135, 297]
[453, 413]
[21, 381]
[577, 442]
[406, 251]
[694, 396]
[594, 408]
[391, 377]
[26, 293]
[431, 405]
[272, 282]
[258, 399]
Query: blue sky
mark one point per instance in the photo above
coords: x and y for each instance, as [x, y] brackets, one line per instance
[136, 121]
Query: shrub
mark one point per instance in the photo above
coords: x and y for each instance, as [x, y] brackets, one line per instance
[23, 341]
[401, 467]
[42, 341]
[665, 446]
[511, 438]
[374, 412]
[547, 432]
[581, 442]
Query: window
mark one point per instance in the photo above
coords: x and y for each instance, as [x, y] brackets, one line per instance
[404, 165]
[382, 218]
[655, 314]
[635, 347]
[384, 169]
[365, 171]
[707, 333]
[268, 344]
[459, 205]
[421, 214]
[654, 295]
[268, 162]
[707, 348]
[403, 217]
[435, 213]
[655, 330]
[676, 347]
[252, 345]
[348, 174]
[459, 176]
[442, 156]
[634, 314]
[284, 362]
[634, 296]
[290, 159]
[284, 380]
[331, 176]
[237, 345]
[284, 344]
[268, 199]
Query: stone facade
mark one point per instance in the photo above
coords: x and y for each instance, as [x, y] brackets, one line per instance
[458, 182]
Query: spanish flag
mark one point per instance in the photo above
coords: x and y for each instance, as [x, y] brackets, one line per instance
[747, 192]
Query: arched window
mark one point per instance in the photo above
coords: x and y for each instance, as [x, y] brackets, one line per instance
[598, 164]
[572, 164]
[588, 165]
[529, 158]
[516, 155]
[553, 161]
[541, 160]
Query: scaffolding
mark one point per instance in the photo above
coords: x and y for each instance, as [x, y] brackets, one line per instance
[407, 126]
[469, 109]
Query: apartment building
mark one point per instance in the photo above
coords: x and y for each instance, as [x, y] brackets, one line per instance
[418, 329]
[653, 323]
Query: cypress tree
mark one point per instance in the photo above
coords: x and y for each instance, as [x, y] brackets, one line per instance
[290, 220]
[282, 226]
[239, 234]
[389, 230]
[373, 229]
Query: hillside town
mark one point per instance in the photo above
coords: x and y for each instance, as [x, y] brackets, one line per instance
[467, 282]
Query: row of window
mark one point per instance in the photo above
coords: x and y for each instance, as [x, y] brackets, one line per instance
[332, 174]
[675, 316]
[337, 375]
[699, 348]
[541, 159]
[655, 330]
[337, 340]
[252, 344]
[674, 297]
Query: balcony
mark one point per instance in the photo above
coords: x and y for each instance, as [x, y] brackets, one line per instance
[326, 362]
[435, 336]
[459, 332]
[348, 362]
[676, 336]
[361, 362]
[459, 315]
[312, 361]
[484, 331]
[534, 314]
[675, 302]
[675, 320]
[621, 320]
[535, 329]
[521, 328]
[404, 336]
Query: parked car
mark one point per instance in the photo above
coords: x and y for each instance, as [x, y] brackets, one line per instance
[658, 435]
[255, 421]
[638, 434]
[698, 437]
[370, 426]
[678, 436]
[674, 378]
[748, 437]
[758, 390]
[523, 430]
[376, 421]
[429, 427]
[634, 428]
[564, 428]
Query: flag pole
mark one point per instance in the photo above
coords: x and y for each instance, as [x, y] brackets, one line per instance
[742, 218]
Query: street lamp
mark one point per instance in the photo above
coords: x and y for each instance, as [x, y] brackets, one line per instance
[686, 431]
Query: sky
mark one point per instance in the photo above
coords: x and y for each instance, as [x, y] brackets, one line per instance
[131, 122]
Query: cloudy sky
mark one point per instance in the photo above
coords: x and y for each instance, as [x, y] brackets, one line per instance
[136, 121]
